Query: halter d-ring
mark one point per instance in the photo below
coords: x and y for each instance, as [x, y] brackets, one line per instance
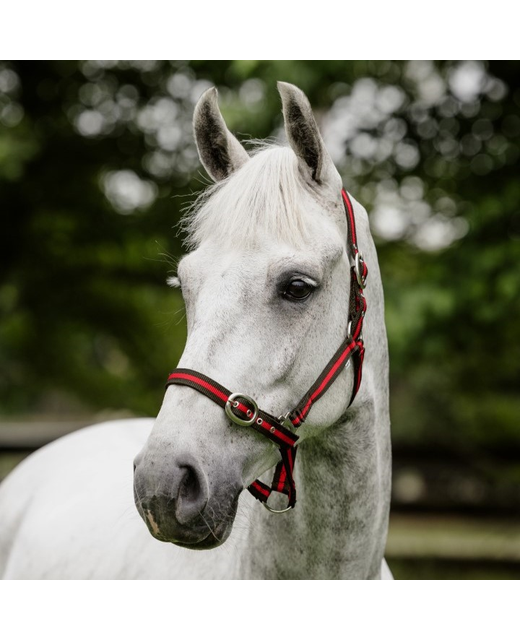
[232, 401]
[276, 510]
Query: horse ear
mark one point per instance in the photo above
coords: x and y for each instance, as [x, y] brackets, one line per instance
[303, 134]
[219, 151]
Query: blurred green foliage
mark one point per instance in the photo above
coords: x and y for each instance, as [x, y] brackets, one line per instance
[97, 162]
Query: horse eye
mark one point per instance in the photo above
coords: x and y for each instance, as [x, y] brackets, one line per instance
[298, 290]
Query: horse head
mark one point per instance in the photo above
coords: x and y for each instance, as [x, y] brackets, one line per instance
[266, 288]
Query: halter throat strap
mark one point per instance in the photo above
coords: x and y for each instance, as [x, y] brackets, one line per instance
[243, 410]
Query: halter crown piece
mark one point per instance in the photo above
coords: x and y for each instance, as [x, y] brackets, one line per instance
[243, 410]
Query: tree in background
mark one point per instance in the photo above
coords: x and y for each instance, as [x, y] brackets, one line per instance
[97, 162]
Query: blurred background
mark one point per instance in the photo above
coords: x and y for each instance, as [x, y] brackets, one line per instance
[97, 164]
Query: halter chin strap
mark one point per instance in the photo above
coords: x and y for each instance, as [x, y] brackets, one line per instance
[244, 411]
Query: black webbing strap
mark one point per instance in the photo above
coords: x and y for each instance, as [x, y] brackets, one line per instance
[243, 410]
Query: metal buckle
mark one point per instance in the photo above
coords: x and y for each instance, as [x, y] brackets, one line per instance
[362, 282]
[233, 402]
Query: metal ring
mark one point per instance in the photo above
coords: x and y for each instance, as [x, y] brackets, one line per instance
[234, 418]
[276, 510]
[357, 268]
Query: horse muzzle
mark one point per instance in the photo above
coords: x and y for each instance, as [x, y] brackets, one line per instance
[177, 505]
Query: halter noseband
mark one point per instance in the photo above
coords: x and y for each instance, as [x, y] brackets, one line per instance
[243, 410]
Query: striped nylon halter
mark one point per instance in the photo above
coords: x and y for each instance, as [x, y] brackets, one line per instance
[243, 410]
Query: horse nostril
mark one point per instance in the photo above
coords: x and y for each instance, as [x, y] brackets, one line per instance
[190, 486]
[192, 494]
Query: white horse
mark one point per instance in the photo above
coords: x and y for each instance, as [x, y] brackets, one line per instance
[266, 287]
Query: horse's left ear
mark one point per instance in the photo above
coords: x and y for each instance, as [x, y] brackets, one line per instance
[220, 152]
[303, 134]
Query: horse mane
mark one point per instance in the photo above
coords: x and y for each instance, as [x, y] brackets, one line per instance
[264, 198]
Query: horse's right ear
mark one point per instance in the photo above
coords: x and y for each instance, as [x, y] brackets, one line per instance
[304, 136]
[219, 151]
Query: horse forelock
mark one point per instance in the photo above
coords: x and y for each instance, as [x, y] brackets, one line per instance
[263, 199]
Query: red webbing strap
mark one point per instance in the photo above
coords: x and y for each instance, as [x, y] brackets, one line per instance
[352, 234]
[352, 347]
[283, 480]
[327, 377]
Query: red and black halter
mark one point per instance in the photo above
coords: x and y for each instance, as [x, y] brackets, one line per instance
[244, 411]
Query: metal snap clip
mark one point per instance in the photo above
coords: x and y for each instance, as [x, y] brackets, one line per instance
[285, 420]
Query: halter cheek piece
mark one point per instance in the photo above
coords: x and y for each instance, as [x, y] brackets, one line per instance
[243, 410]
